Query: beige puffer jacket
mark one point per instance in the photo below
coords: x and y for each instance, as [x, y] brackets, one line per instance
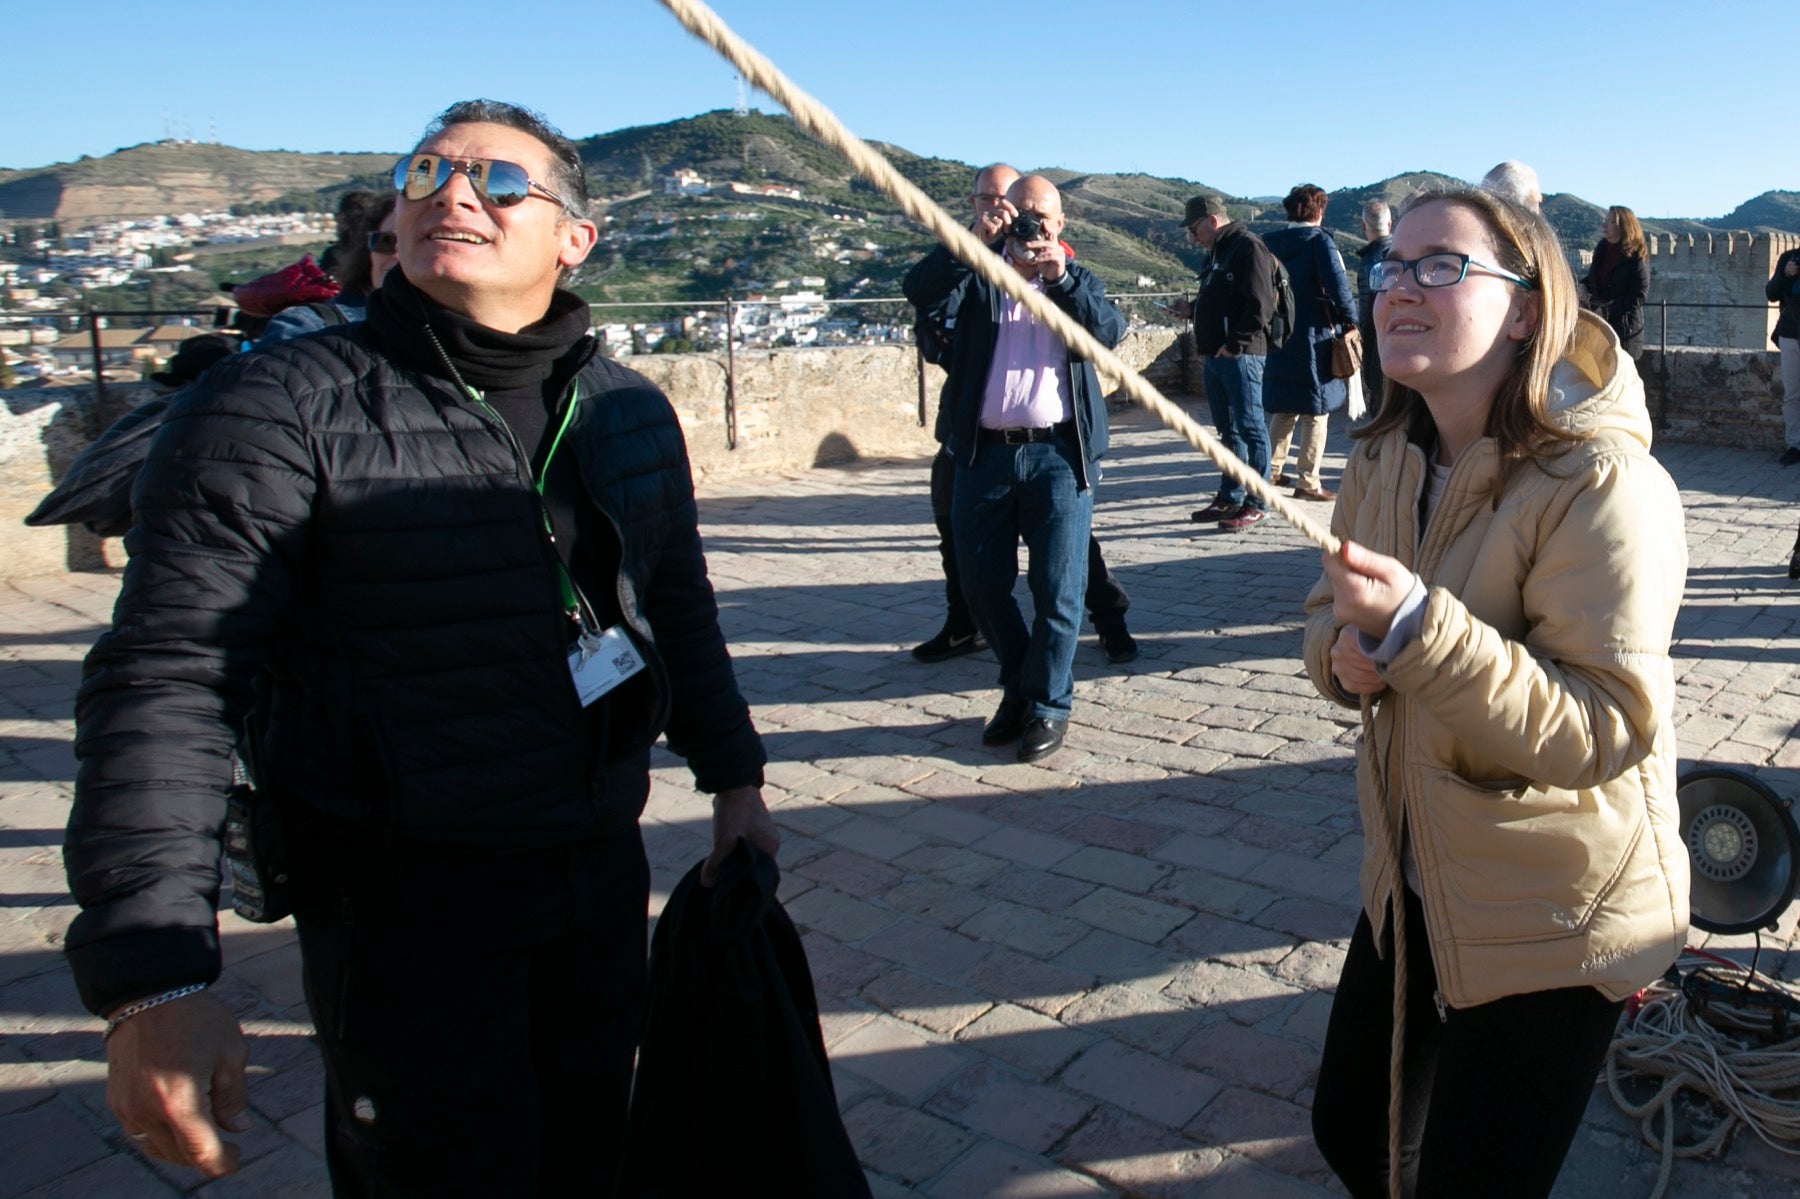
[1526, 733]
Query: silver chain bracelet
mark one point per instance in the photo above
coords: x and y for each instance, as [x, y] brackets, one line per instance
[144, 1005]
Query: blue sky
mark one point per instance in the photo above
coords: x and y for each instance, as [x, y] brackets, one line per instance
[1670, 109]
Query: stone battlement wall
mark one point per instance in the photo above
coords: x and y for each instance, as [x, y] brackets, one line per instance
[1720, 269]
[794, 410]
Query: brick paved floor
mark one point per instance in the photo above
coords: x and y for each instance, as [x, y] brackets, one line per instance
[1106, 973]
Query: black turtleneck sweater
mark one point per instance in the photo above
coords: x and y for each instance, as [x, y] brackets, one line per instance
[524, 378]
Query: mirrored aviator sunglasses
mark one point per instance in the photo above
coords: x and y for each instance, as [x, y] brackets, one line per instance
[501, 183]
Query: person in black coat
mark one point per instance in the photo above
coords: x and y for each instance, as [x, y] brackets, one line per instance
[1618, 281]
[450, 555]
[1378, 227]
[1298, 388]
[1783, 288]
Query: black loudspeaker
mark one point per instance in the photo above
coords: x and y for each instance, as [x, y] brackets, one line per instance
[1744, 847]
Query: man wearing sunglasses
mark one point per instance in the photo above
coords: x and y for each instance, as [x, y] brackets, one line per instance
[437, 576]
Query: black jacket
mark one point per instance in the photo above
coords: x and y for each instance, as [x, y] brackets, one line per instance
[940, 275]
[358, 538]
[733, 1093]
[1376, 251]
[1237, 294]
[1620, 300]
[1786, 292]
[1298, 378]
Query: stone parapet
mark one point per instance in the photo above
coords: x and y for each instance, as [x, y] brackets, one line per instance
[795, 410]
[1714, 396]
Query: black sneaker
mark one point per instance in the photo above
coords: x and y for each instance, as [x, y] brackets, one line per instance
[1790, 456]
[1119, 645]
[948, 644]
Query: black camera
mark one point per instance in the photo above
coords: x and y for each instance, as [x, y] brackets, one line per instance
[1026, 227]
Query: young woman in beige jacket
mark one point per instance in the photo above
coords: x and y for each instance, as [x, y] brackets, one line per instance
[1502, 609]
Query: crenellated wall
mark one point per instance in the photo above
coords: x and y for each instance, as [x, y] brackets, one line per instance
[1719, 268]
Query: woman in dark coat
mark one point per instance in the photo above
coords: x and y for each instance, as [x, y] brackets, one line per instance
[1618, 282]
[1297, 385]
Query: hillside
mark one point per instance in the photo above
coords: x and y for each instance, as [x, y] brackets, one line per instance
[1771, 210]
[1125, 227]
[164, 178]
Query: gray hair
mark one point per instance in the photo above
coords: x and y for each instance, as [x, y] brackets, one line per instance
[1377, 214]
[568, 179]
[1513, 180]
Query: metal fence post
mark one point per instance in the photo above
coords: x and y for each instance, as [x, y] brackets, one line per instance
[919, 354]
[93, 321]
[730, 375]
[1662, 370]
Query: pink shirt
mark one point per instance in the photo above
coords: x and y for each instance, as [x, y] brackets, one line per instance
[1028, 380]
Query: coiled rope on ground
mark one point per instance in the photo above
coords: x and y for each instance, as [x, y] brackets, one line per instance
[1725, 1054]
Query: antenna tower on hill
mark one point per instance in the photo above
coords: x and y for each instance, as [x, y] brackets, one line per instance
[743, 106]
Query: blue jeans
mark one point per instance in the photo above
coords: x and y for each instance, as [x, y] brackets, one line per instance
[1234, 392]
[1026, 492]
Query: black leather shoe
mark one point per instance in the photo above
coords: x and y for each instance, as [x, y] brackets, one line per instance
[1120, 646]
[1217, 510]
[1041, 738]
[1790, 456]
[948, 644]
[1009, 721]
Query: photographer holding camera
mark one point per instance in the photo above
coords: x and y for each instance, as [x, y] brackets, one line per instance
[1025, 423]
[1106, 599]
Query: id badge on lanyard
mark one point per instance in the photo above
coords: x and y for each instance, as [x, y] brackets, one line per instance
[598, 662]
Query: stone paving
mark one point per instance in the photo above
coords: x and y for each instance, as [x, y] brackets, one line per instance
[1103, 974]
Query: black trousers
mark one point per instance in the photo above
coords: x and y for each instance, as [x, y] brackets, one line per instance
[477, 1013]
[1372, 378]
[1492, 1094]
[1106, 599]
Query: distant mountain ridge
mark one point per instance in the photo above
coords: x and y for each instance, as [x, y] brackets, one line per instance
[1125, 226]
[166, 178]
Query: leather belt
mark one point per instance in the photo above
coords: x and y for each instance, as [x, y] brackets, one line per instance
[1022, 436]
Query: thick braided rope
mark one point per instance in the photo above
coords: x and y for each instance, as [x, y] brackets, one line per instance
[1391, 835]
[820, 122]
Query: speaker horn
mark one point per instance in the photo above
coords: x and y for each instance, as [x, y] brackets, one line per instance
[1744, 847]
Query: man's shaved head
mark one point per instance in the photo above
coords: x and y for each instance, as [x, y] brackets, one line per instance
[1036, 193]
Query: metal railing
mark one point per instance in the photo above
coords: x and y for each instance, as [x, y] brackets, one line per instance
[91, 319]
[1660, 415]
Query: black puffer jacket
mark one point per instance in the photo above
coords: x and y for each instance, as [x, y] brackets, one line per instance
[363, 537]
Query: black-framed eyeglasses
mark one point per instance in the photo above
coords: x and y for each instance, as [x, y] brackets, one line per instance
[384, 243]
[1436, 270]
[501, 183]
